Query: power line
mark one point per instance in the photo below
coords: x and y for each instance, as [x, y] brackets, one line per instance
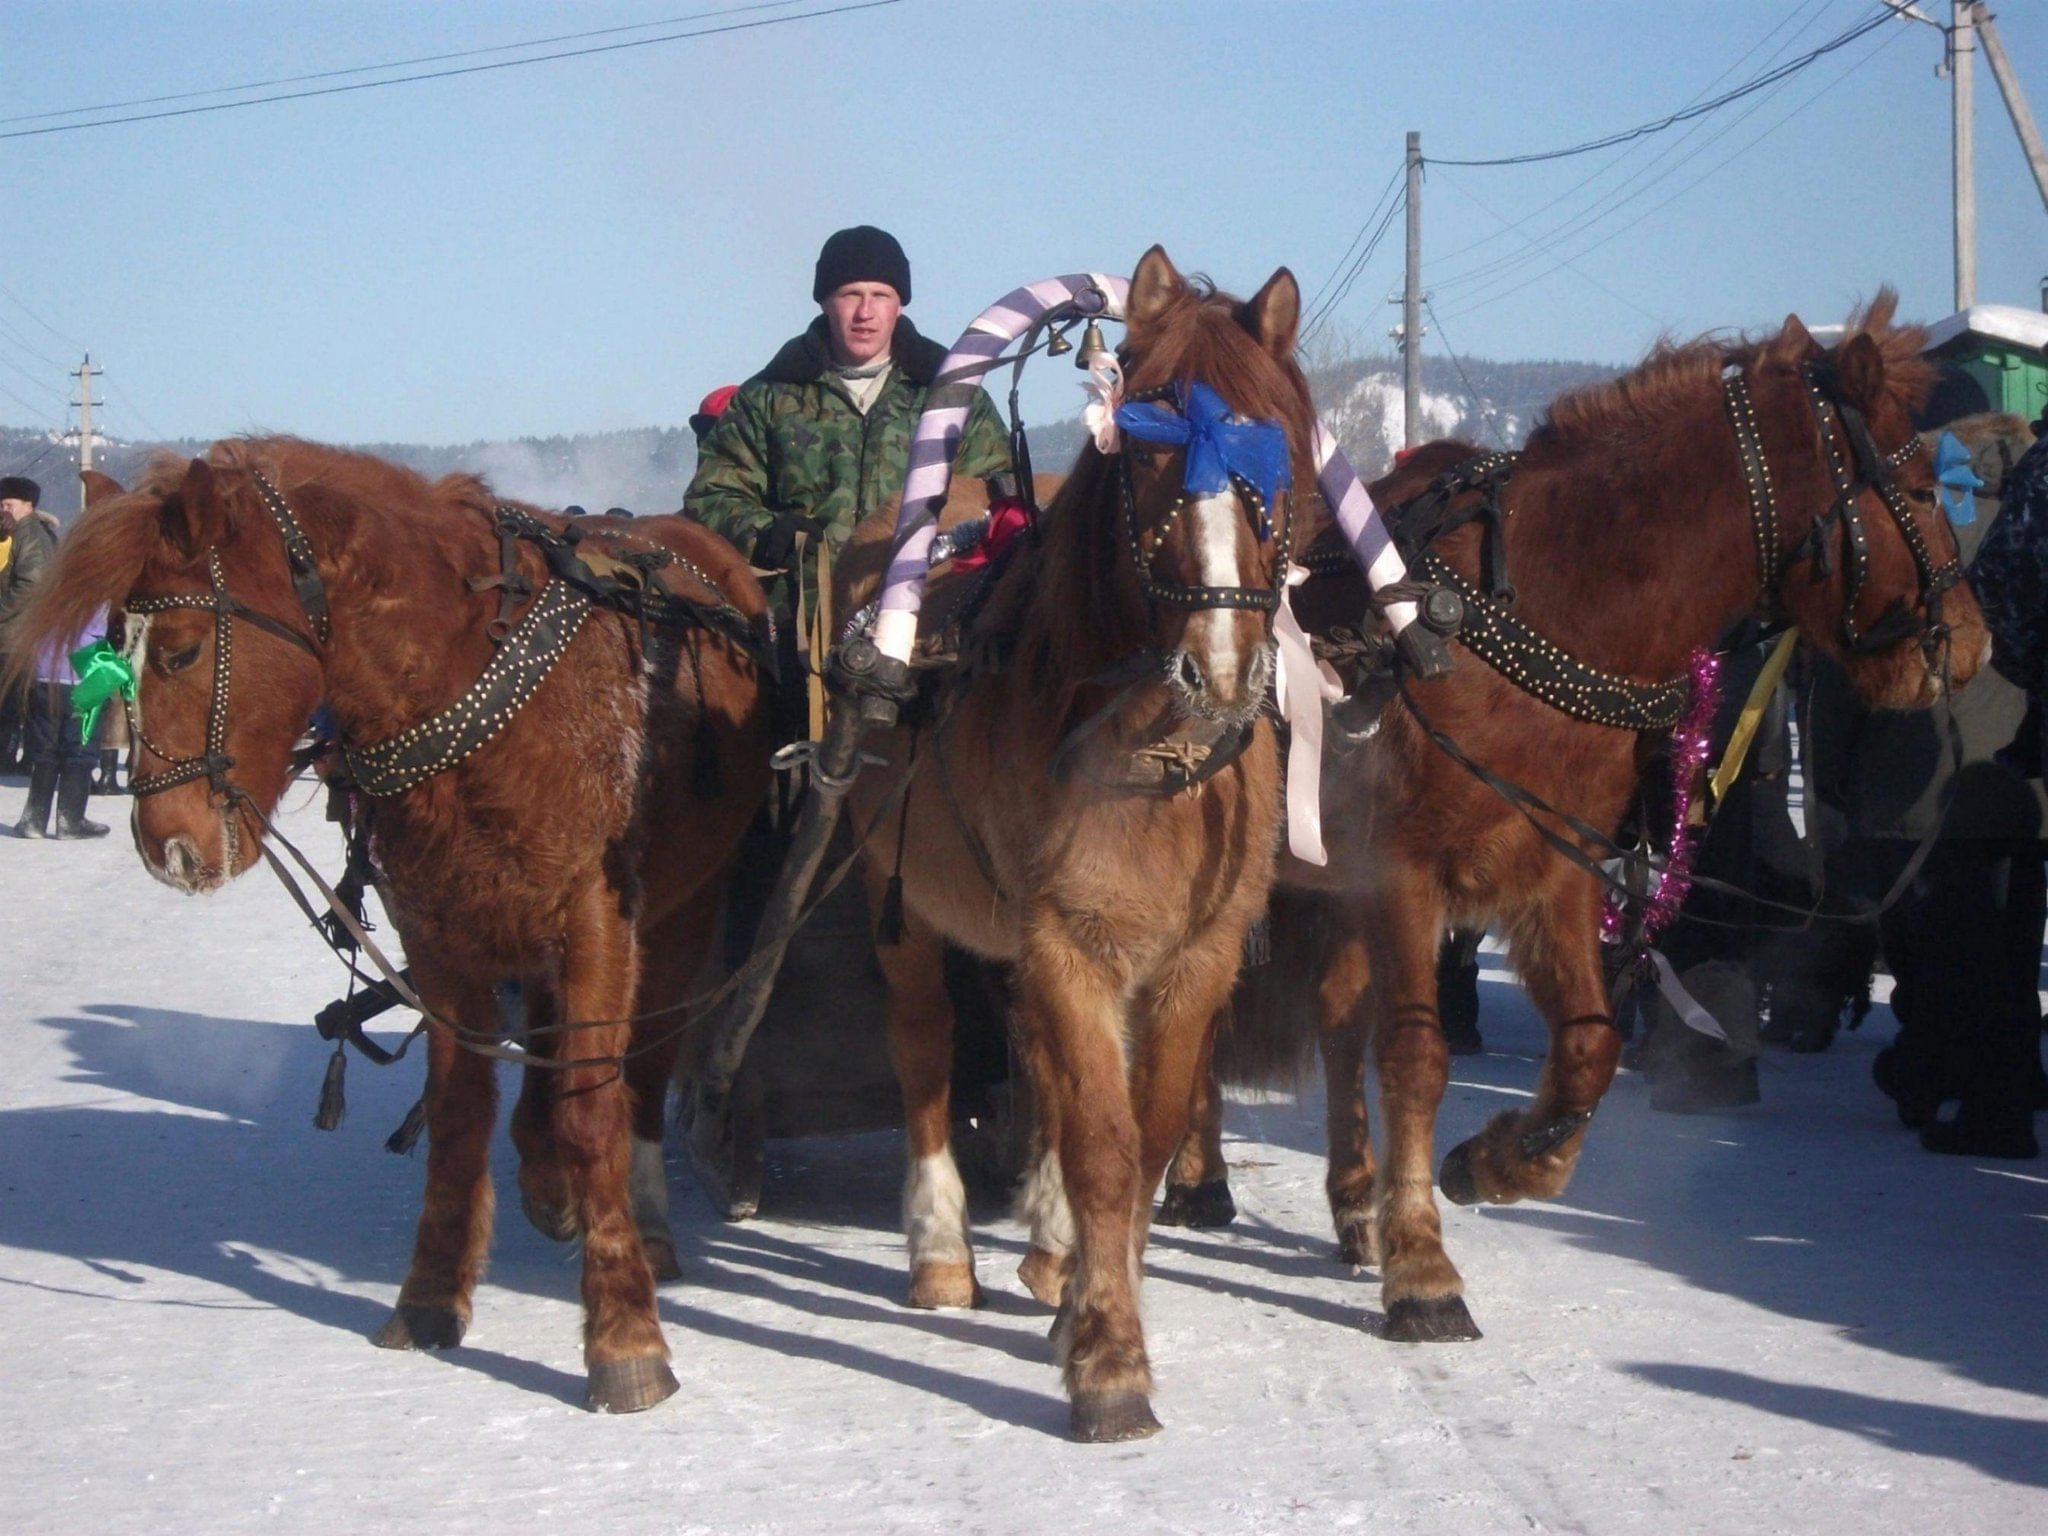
[1456, 362]
[33, 459]
[371, 69]
[34, 410]
[1362, 228]
[446, 74]
[1815, 6]
[9, 334]
[1705, 175]
[129, 405]
[22, 304]
[1317, 320]
[1769, 77]
[1617, 197]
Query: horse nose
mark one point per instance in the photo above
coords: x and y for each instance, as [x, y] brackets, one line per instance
[181, 861]
[1189, 668]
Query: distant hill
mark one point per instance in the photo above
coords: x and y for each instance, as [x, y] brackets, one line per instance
[647, 468]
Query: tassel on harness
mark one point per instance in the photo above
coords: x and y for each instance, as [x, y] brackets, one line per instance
[333, 1100]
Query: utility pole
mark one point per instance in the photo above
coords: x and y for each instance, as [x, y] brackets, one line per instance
[1411, 305]
[2015, 100]
[85, 373]
[1962, 50]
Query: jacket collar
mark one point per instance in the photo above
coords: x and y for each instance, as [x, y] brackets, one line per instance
[807, 358]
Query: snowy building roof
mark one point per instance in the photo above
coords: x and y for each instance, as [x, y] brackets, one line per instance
[2001, 322]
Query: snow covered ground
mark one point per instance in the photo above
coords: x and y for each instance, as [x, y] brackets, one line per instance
[1787, 1319]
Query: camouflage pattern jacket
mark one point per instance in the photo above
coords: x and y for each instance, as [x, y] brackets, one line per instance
[792, 441]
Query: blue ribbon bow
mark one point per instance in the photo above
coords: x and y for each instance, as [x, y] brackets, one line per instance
[1217, 445]
[1952, 472]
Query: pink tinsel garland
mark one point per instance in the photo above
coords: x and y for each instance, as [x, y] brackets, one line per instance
[1691, 741]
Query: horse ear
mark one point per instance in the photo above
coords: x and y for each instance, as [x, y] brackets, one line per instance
[1859, 370]
[1274, 314]
[1797, 337]
[98, 487]
[194, 517]
[1154, 286]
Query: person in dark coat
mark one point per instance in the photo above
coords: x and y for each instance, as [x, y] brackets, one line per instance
[60, 764]
[28, 543]
[1962, 937]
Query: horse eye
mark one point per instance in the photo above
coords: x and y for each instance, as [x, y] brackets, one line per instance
[178, 661]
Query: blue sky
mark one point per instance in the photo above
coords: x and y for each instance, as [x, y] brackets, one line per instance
[593, 243]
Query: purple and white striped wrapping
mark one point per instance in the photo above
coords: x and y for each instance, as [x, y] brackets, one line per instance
[936, 443]
[1371, 546]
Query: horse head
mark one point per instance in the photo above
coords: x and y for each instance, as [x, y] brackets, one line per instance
[1217, 428]
[1870, 570]
[223, 654]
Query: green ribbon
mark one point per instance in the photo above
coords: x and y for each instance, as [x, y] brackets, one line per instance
[102, 673]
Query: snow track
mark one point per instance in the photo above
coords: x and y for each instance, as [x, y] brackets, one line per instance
[1789, 1319]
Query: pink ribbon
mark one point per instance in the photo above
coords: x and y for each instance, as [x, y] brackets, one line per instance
[1302, 686]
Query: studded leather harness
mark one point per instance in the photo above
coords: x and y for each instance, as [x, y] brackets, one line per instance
[526, 650]
[1492, 631]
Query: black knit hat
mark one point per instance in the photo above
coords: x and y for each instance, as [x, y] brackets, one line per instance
[862, 254]
[22, 488]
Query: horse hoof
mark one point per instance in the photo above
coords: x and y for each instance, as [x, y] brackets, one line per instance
[628, 1386]
[556, 1223]
[416, 1327]
[933, 1286]
[1044, 1274]
[1358, 1244]
[1201, 1206]
[1432, 1320]
[661, 1258]
[1103, 1418]
[1455, 1178]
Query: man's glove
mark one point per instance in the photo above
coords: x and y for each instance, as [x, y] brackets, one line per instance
[775, 545]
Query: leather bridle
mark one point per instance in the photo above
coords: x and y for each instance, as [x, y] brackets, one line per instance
[1144, 544]
[214, 761]
[1863, 468]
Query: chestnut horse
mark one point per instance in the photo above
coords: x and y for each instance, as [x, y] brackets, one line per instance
[1118, 641]
[581, 850]
[1632, 538]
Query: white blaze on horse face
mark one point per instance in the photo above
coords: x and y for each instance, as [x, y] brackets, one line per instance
[1217, 519]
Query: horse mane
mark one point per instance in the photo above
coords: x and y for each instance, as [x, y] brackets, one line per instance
[1676, 376]
[103, 558]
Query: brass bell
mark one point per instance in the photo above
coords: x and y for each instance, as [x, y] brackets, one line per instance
[1093, 348]
[1058, 345]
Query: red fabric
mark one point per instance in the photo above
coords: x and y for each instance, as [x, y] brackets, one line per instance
[1403, 455]
[1006, 519]
[714, 404]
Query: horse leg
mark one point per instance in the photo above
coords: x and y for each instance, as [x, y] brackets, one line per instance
[1521, 1154]
[1077, 1011]
[672, 952]
[1198, 1181]
[623, 1349]
[1342, 1040]
[454, 1237]
[1042, 1196]
[1421, 1288]
[543, 1183]
[918, 1015]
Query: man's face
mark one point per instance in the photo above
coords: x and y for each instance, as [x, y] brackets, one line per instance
[863, 319]
[13, 509]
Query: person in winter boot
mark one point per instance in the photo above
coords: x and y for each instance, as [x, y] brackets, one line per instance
[60, 758]
[1989, 895]
[30, 544]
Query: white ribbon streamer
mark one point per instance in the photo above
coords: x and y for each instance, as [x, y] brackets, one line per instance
[1302, 686]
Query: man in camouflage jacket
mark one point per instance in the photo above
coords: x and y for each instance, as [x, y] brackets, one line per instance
[820, 438]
